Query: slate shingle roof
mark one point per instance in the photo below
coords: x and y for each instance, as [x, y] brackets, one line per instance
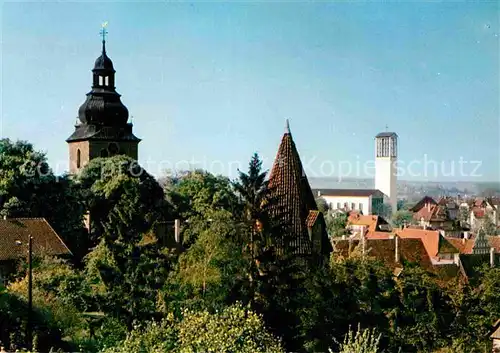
[45, 239]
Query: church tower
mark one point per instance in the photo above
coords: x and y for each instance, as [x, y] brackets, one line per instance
[386, 154]
[102, 128]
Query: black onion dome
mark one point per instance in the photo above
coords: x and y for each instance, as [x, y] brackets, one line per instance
[103, 108]
[103, 105]
[103, 62]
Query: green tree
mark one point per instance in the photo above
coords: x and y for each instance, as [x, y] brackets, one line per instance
[401, 218]
[322, 205]
[126, 278]
[422, 319]
[488, 225]
[29, 188]
[463, 215]
[383, 210]
[199, 193]
[336, 224]
[214, 265]
[476, 307]
[123, 200]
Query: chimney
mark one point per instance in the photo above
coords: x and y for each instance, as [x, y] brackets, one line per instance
[492, 257]
[456, 259]
[396, 248]
[428, 206]
[177, 231]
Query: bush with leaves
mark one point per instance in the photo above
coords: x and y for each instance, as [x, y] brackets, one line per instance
[59, 292]
[361, 341]
[234, 329]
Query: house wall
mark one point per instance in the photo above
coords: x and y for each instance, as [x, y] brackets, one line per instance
[365, 202]
[386, 179]
[496, 345]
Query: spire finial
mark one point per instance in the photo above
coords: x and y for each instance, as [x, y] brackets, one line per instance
[287, 127]
[386, 128]
[103, 33]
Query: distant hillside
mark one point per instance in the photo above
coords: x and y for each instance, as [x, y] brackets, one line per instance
[413, 189]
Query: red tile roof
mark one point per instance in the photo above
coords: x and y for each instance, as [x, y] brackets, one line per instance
[45, 239]
[311, 218]
[356, 219]
[465, 246]
[479, 212]
[422, 203]
[379, 235]
[411, 250]
[291, 197]
[433, 241]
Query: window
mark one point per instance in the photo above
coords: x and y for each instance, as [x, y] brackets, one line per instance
[78, 158]
[338, 205]
[353, 206]
[104, 152]
[113, 149]
[100, 80]
[345, 205]
[106, 81]
[360, 207]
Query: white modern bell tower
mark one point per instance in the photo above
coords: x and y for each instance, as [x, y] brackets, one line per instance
[386, 154]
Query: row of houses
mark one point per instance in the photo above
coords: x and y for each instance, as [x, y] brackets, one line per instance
[431, 248]
[456, 216]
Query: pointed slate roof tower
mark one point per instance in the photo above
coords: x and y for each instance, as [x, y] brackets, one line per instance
[293, 201]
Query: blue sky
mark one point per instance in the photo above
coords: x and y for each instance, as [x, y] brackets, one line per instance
[212, 82]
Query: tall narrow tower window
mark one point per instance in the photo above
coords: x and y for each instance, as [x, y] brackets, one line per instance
[106, 81]
[100, 80]
[78, 159]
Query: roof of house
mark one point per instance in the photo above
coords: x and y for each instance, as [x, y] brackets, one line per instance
[423, 202]
[45, 239]
[379, 235]
[433, 241]
[478, 212]
[411, 250]
[465, 246]
[347, 192]
[311, 218]
[374, 223]
[291, 198]
[448, 202]
[431, 212]
[495, 333]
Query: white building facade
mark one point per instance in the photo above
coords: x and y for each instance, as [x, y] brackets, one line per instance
[386, 153]
[362, 200]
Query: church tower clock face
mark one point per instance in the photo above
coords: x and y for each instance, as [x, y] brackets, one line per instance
[102, 129]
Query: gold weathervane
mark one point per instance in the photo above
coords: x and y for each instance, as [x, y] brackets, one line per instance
[103, 31]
